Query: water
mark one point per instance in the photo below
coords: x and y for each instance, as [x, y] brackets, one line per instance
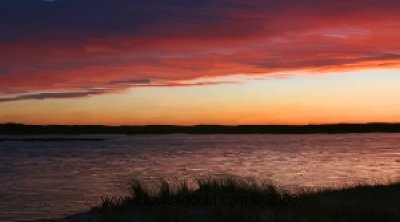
[41, 180]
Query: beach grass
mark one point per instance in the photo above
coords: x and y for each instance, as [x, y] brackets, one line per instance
[235, 199]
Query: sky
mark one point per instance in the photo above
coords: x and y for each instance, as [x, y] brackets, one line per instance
[187, 62]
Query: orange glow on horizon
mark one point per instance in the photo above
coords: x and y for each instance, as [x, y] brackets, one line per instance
[352, 97]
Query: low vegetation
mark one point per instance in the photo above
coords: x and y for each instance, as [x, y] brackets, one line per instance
[233, 199]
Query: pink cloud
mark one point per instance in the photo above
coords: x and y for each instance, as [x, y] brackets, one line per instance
[242, 37]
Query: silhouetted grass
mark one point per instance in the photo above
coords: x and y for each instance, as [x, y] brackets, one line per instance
[233, 199]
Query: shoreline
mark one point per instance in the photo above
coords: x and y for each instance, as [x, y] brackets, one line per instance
[358, 203]
[342, 128]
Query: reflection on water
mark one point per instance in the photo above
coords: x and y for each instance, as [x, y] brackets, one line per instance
[53, 179]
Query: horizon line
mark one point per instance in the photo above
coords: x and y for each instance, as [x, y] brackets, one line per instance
[201, 124]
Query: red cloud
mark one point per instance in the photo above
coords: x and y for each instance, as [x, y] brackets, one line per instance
[259, 37]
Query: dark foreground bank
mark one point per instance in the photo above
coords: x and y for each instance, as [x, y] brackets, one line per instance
[242, 200]
[201, 129]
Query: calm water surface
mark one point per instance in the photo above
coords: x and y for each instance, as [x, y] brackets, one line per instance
[53, 179]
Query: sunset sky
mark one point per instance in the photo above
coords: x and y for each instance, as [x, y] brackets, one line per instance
[199, 61]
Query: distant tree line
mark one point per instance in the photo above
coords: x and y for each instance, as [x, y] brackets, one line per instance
[12, 128]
